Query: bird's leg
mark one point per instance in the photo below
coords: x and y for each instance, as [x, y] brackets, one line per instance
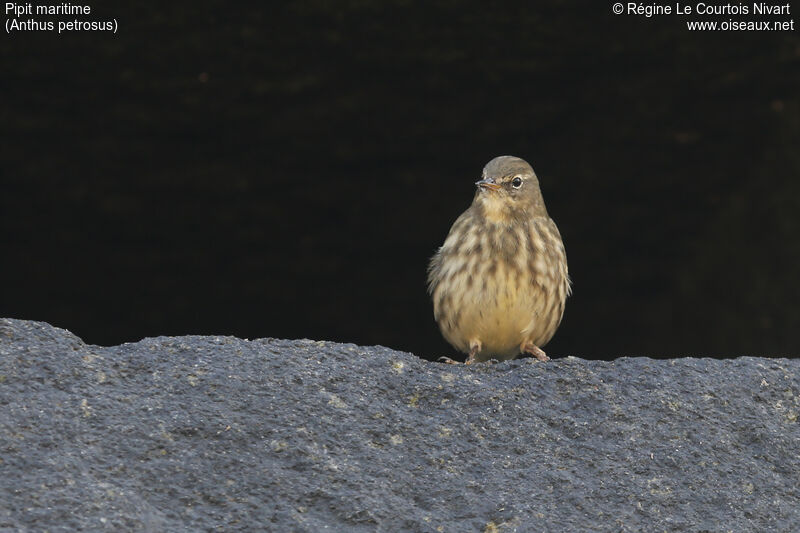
[531, 348]
[474, 348]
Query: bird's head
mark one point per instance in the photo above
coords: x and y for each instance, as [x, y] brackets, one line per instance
[509, 189]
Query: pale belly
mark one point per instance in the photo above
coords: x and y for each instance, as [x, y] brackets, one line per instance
[499, 287]
[501, 315]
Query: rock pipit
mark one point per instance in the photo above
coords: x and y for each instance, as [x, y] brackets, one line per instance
[500, 280]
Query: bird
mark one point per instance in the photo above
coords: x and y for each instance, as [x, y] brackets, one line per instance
[500, 281]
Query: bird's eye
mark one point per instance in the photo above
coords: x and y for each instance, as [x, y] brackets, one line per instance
[516, 182]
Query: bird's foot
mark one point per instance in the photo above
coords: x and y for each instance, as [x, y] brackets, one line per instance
[535, 351]
[474, 348]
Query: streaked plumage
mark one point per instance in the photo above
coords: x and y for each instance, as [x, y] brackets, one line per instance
[500, 280]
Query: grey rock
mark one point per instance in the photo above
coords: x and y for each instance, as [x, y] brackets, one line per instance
[220, 433]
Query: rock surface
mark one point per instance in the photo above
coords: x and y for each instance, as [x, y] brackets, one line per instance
[204, 433]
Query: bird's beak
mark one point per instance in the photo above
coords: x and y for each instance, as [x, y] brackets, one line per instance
[487, 183]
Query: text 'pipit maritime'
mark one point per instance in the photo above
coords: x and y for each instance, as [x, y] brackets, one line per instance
[500, 280]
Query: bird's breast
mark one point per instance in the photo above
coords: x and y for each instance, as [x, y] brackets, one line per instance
[499, 283]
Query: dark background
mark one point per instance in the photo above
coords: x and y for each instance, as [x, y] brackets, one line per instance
[288, 171]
